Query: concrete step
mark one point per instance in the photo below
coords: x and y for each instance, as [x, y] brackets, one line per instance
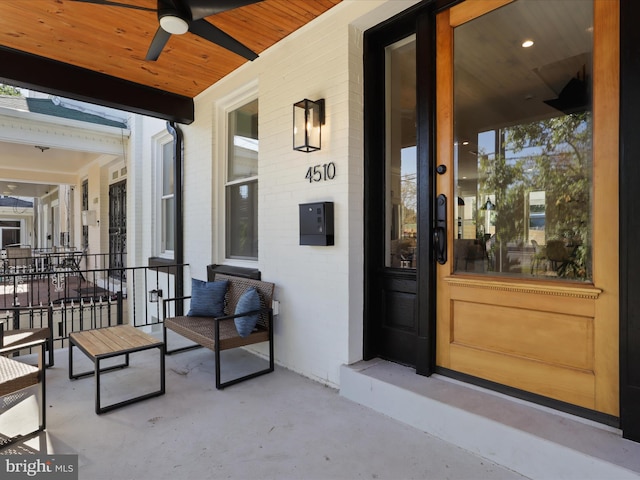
[535, 441]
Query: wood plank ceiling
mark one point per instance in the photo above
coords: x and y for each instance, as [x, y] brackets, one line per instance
[97, 52]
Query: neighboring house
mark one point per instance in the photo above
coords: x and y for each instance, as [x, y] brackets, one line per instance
[101, 181]
[63, 154]
[445, 101]
[16, 220]
[72, 157]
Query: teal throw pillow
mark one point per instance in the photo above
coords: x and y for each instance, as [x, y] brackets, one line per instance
[249, 301]
[207, 298]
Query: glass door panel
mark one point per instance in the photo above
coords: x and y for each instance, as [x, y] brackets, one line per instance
[523, 141]
[401, 161]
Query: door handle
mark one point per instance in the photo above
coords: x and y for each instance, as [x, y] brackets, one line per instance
[440, 232]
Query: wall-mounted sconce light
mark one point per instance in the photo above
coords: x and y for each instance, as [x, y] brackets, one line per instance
[308, 117]
[154, 295]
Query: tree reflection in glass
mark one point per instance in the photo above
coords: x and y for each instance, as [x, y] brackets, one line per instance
[540, 183]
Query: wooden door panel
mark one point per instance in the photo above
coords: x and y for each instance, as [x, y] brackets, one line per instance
[569, 385]
[564, 341]
[555, 339]
[472, 9]
[534, 337]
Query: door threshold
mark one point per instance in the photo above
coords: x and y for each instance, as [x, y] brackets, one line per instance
[533, 440]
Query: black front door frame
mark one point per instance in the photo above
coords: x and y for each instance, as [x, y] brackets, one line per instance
[420, 20]
[629, 175]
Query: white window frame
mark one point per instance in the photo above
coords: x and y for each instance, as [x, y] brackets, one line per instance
[159, 200]
[20, 228]
[225, 106]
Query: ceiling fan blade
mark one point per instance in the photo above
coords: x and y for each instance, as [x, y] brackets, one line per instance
[204, 29]
[205, 8]
[157, 44]
[116, 4]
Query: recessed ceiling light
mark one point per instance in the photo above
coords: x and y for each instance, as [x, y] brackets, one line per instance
[527, 44]
[465, 142]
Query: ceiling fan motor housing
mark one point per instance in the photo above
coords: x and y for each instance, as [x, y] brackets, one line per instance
[172, 20]
[177, 17]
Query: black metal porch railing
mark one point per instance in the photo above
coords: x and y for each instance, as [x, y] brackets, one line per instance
[67, 297]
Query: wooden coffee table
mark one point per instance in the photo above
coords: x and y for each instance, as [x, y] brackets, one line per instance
[103, 343]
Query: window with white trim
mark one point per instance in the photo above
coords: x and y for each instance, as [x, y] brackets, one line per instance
[167, 204]
[9, 232]
[241, 187]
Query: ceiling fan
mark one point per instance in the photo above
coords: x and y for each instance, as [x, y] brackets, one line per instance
[180, 16]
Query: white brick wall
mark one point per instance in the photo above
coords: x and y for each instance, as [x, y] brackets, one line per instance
[319, 288]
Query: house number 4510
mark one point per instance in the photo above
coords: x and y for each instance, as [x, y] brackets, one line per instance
[318, 173]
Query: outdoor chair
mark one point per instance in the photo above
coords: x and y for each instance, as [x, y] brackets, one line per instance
[539, 256]
[557, 253]
[219, 333]
[16, 377]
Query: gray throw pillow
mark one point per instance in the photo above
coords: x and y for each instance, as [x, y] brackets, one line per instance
[249, 301]
[207, 298]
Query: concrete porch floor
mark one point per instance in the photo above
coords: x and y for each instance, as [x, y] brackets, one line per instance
[532, 440]
[277, 426]
[283, 426]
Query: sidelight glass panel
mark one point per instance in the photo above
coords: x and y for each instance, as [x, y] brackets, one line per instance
[401, 163]
[523, 141]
